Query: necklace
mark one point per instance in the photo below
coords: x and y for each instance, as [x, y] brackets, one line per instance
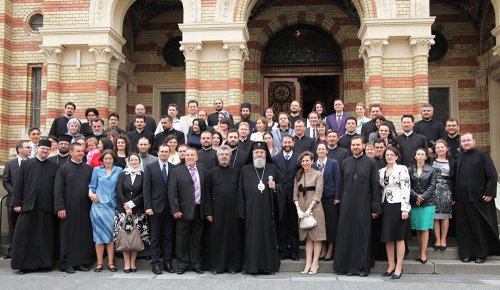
[261, 185]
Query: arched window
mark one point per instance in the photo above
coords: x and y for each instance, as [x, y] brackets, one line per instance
[302, 44]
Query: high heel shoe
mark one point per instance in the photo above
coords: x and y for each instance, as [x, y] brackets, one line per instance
[311, 272]
[395, 276]
[436, 247]
[442, 248]
[305, 271]
[388, 274]
[423, 261]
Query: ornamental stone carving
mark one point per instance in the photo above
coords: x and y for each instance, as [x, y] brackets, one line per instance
[373, 47]
[53, 54]
[235, 50]
[191, 50]
[116, 60]
[421, 46]
[102, 54]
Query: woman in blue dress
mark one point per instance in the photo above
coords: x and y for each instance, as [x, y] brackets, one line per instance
[102, 192]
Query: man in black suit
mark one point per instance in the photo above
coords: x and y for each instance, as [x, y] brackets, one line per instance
[409, 141]
[369, 127]
[335, 152]
[168, 129]
[149, 123]
[23, 151]
[213, 119]
[139, 132]
[186, 187]
[59, 126]
[288, 228]
[158, 209]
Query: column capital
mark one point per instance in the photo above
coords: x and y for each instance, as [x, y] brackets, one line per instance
[103, 54]
[373, 47]
[191, 50]
[421, 46]
[116, 60]
[52, 53]
[236, 50]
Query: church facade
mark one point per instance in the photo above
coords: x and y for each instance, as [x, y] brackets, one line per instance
[113, 54]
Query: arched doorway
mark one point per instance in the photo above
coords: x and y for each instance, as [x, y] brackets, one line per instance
[301, 62]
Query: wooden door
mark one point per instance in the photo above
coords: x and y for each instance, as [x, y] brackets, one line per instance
[279, 93]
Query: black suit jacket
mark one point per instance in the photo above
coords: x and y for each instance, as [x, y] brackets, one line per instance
[287, 171]
[369, 127]
[9, 177]
[126, 191]
[150, 125]
[155, 192]
[181, 191]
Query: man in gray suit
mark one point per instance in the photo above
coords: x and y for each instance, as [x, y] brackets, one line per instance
[186, 187]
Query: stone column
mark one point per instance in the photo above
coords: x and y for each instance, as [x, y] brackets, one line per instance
[191, 52]
[372, 51]
[103, 56]
[53, 105]
[237, 54]
[421, 47]
[113, 82]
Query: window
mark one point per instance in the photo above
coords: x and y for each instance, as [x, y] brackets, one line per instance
[302, 44]
[36, 22]
[439, 98]
[171, 53]
[36, 92]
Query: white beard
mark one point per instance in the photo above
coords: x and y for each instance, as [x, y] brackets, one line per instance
[259, 163]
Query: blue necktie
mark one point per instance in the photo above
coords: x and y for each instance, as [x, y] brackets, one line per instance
[164, 172]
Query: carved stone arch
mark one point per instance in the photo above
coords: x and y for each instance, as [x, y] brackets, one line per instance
[496, 6]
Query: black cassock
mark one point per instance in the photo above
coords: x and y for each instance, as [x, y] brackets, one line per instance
[260, 211]
[33, 244]
[75, 231]
[221, 203]
[476, 220]
[361, 197]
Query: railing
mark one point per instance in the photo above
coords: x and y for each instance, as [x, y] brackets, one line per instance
[1, 210]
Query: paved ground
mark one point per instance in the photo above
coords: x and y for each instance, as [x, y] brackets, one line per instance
[147, 280]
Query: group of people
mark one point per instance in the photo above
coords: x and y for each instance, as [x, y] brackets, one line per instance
[228, 197]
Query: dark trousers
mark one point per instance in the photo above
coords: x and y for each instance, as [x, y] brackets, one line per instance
[162, 236]
[188, 241]
[288, 231]
[12, 219]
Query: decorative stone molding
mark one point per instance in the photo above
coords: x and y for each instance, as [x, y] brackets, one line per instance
[116, 60]
[53, 54]
[373, 47]
[236, 50]
[191, 50]
[421, 46]
[224, 10]
[103, 54]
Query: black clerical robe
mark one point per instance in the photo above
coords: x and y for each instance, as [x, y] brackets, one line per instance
[33, 245]
[238, 157]
[59, 126]
[361, 197]
[338, 153]
[259, 211]
[221, 203]
[476, 220]
[75, 231]
[208, 158]
[60, 160]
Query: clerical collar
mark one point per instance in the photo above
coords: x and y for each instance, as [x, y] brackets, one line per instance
[330, 147]
[408, 134]
[76, 162]
[300, 137]
[41, 160]
[207, 149]
[139, 131]
[63, 155]
[453, 137]
[360, 155]
[243, 140]
[350, 134]
[291, 114]
[68, 117]
[232, 149]
[426, 120]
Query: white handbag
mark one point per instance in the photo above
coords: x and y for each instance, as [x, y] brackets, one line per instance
[308, 222]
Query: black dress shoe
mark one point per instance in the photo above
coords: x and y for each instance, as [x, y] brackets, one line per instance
[349, 274]
[133, 270]
[437, 248]
[294, 257]
[466, 260]
[480, 260]
[232, 271]
[70, 270]
[363, 274]
[157, 269]
[198, 270]
[168, 268]
[181, 271]
[83, 268]
[6, 257]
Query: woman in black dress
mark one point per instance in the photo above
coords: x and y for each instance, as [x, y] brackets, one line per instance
[122, 150]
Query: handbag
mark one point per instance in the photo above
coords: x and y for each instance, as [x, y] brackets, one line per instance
[129, 241]
[308, 222]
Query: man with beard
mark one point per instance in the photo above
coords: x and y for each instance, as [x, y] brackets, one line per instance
[213, 119]
[238, 156]
[59, 126]
[452, 137]
[62, 157]
[149, 123]
[206, 155]
[260, 185]
[431, 129]
[168, 129]
[295, 113]
[245, 117]
[113, 121]
[370, 127]
[97, 129]
[138, 133]
[23, 151]
[475, 211]
[177, 124]
[144, 146]
[350, 131]
[72, 205]
[186, 194]
[288, 228]
[334, 151]
[221, 206]
[361, 202]
[34, 199]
